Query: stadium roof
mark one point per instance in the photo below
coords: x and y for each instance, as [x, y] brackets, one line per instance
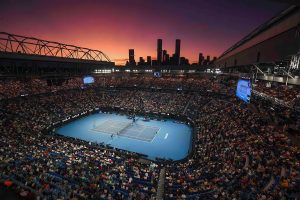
[262, 28]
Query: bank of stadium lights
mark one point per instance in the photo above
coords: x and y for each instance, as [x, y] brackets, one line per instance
[295, 62]
[103, 71]
[106, 71]
[216, 71]
[137, 70]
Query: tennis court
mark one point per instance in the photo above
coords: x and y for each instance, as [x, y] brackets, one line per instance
[127, 129]
[153, 138]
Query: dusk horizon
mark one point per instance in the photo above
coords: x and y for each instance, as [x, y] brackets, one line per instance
[150, 99]
[115, 27]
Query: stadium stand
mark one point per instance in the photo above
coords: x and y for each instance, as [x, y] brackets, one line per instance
[240, 152]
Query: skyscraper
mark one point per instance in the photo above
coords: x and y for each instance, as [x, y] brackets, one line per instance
[164, 56]
[207, 60]
[214, 59]
[159, 51]
[167, 59]
[141, 62]
[149, 61]
[184, 61]
[177, 52]
[131, 57]
[201, 59]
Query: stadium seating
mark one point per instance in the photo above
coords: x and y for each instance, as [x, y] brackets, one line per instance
[238, 153]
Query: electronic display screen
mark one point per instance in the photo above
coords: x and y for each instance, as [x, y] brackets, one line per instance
[243, 90]
[157, 74]
[88, 80]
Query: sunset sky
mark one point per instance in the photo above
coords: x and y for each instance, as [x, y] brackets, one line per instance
[114, 26]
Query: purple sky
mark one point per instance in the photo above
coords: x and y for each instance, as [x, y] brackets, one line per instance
[114, 26]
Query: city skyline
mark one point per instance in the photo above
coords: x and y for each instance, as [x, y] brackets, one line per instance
[162, 56]
[116, 26]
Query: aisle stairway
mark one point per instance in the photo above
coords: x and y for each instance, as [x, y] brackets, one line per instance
[187, 105]
[161, 184]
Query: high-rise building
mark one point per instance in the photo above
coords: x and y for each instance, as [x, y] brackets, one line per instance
[201, 59]
[141, 61]
[184, 61]
[214, 59]
[154, 62]
[172, 59]
[167, 62]
[131, 57]
[164, 57]
[177, 52]
[207, 60]
[159, 51]
[149, 61]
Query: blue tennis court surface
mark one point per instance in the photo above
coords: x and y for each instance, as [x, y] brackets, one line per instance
[156, 139]
[127, 129]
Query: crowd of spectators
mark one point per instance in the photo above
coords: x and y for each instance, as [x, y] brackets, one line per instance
[16, 88]
[282, 92]
[55, 167]
[221, 84]
[237, 153]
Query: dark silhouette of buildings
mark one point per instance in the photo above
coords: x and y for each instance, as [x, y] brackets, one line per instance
[214, 59]
[208, 58]
[141, 61]
[201, 59]
[207, 61]
[184, 61]
[154, 62]
[131, 58]
[166, 58]
[163, 58]
[176, 58]
[159, 51]
[149, 61]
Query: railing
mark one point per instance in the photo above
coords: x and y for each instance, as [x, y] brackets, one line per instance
[32, 46]
[275, 100]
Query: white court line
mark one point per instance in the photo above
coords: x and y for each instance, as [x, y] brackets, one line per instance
[166, 135]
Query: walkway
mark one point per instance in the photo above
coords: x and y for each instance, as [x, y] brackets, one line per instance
[161, 184]
[187, 105]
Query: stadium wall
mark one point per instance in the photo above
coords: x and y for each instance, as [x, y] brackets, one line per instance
[273, 41]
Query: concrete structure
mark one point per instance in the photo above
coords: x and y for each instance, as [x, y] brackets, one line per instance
[276, 40]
